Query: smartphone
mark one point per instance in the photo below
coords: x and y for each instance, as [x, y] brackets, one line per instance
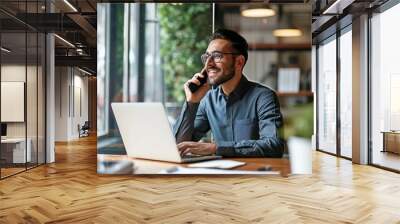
[193, 87]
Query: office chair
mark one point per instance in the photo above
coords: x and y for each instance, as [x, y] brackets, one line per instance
[84, 130]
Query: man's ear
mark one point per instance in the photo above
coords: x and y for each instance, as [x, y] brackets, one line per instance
[240, 60]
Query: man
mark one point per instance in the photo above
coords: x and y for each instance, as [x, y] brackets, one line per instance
[244, 117]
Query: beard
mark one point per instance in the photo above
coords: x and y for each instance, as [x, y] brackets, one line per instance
[228, 75]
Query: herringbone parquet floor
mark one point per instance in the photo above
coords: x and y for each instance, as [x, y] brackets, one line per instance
[70, 191]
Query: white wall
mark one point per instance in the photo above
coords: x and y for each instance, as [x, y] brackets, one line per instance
[71, 102]
[62, 81]
[33, 126]
[13, 73]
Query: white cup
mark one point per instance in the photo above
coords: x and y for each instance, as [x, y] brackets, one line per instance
[300, 155]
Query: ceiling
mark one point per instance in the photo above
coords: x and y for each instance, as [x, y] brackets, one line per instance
[73, 20]
[259, 30]
[76, 22]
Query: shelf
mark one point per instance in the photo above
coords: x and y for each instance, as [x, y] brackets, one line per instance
[294, 94]
[280, 47]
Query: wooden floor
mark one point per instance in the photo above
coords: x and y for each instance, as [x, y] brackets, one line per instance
[386, 159]
[10, 171]
[70, 191]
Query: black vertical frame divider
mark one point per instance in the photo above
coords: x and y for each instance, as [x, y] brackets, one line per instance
[141, 53]
[69, 93]
[26, 87]
[1, 166]
[128, 66]
[37, 89]
[73, 91]
[317, 97]
[338, 98]
[44, 79]
[369, 78]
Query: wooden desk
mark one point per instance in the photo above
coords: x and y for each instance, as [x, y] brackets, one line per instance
[143, 166]
[13, 150]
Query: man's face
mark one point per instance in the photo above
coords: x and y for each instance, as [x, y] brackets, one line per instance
[223, 71]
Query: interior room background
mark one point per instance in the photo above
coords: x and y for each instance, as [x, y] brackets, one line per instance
[336, 53]
[147, 51]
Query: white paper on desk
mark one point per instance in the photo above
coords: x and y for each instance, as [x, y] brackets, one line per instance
[183, 170]
[220, 164]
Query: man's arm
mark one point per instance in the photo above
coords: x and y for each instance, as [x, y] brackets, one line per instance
[192, 124]
[270, 121]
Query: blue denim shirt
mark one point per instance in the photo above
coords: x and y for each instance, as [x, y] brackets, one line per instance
[243, 124]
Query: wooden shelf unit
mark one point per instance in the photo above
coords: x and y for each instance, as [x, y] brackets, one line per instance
[280, 47]
[293, 94]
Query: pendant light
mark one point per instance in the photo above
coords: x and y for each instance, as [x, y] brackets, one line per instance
[257, 11]
[285, 27]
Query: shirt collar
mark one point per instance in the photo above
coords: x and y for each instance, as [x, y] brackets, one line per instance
[240, 89]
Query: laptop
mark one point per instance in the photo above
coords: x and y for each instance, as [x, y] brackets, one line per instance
[146, 133]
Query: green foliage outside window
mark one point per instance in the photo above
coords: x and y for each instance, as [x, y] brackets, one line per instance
[185, 29]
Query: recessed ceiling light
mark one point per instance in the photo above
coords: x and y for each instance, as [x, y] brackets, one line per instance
[84, 71]
[5, 50]
[65, 41]
[70, 5]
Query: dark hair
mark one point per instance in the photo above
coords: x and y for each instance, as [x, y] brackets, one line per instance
[238, 42]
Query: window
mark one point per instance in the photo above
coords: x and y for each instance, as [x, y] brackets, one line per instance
[327, 96]
[102, 65]
[143, 55]
[346, 93]
[385, 88]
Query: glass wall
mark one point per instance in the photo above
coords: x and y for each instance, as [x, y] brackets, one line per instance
[345, 50]
[327, 95]
[22, 92]
[335, 72]
[13, 84]
[143, 55]
[385, 89]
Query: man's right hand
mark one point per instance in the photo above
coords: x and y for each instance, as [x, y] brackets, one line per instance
[200, 93]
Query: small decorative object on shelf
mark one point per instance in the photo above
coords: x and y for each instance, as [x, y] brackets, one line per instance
[289, 80]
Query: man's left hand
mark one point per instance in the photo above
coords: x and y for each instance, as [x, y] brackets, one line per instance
[198, 148]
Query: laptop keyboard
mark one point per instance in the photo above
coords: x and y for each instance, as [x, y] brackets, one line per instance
[192, 156]
[196, 158]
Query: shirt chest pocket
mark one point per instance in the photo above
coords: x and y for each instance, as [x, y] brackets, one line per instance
[246, 129]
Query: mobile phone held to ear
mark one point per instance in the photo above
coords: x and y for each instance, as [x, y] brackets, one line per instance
[193, 87]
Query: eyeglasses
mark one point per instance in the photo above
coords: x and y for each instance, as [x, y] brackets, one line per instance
[216, 56]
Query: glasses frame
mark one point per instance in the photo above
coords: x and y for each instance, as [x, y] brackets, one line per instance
[213, 56]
